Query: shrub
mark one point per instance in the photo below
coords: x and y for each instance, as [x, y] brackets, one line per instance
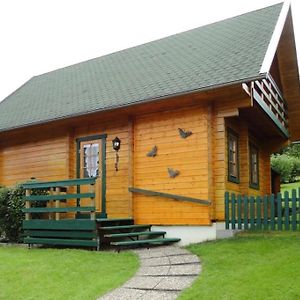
[11, 215]
[3, 210]
[287, 166]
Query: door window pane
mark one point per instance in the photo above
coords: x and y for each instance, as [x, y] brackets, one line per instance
[91, 160]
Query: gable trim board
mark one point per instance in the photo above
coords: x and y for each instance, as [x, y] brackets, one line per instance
[267, 62]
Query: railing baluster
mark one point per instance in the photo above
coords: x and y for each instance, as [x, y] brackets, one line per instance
[286, 211]
[239, 211]
[233, 211]
[252, 226]
[279, 211]
[294, 212]
[266, 212]
[258, 212]
[245, 200]
[271, 96]
[227, 210]
[272, 212]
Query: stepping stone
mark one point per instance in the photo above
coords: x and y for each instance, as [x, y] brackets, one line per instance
[189, 269]
[140, 282]
[154, 271]
[161, 252]
[156, 261]
[177, 283]
[159, 295]
[124, 294]
[183, 259]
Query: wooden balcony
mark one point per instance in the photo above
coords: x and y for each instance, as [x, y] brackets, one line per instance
[268, 96]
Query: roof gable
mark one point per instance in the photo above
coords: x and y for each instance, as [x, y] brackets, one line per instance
[209, 56]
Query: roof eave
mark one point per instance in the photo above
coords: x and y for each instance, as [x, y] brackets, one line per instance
[271, 50]
[208, 88]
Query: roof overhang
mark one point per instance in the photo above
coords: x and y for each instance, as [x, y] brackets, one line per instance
[272, 48]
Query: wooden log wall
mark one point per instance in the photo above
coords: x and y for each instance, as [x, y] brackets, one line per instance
[42, 154]
[189, 156]
[48, 152]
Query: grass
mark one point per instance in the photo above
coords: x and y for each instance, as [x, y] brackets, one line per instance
[289, 186]
[257, 266]
[62, 273]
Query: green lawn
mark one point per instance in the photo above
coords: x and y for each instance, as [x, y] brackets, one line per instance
[289, 186]
[249, 266]
[62, 273]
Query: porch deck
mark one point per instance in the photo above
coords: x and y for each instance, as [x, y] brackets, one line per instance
[79, 225]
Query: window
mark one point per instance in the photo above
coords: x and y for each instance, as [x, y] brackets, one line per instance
[233, 157]
[91, 160]
[253, 164]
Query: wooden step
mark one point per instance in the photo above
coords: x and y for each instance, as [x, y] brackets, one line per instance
[124, 227]
[146, 242]
[131, 234]
[114, 222]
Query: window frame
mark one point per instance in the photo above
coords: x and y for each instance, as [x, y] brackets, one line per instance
[253, 149]
[232, 134]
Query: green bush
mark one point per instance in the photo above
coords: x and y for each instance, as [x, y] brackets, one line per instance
[11, 215]
[287, 166]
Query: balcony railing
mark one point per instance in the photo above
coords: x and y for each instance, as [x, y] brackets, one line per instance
[269, 97]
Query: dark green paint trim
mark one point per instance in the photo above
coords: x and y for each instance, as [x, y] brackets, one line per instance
[58, 197]
[127, 234]
[170, 196]
[70, 242]
[78, 169]
[61, 183]
[91, 138]
[150, 241]
[61, 233]
[59, 209]
[125, 227]
[101, 137]
[230, 177]
[103, 192]
[60, 225]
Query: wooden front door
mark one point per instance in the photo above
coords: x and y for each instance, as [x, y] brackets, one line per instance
[91, 160]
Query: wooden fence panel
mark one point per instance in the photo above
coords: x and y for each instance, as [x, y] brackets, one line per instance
[270, 212]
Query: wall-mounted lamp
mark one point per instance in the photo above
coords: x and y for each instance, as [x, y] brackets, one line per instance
[116, 143]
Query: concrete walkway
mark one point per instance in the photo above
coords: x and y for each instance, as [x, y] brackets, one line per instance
[165, 271]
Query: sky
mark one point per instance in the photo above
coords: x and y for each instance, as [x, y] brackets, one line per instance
[40, 36]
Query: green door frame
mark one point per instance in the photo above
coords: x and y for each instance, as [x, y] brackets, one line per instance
[101, 137]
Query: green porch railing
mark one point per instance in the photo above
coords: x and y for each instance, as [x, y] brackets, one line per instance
[53, 221]
[270, 212]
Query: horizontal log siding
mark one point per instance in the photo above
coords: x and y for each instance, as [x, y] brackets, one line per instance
[189, 156]
[39, 154]
[117, 194]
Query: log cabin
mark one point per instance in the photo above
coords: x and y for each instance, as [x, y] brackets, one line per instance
[165, 128]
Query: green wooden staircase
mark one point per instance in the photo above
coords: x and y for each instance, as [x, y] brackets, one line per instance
[122, 233]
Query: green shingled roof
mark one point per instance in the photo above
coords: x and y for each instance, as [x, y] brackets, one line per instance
[208, 56]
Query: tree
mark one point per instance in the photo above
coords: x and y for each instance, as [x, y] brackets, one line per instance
[287, 163]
